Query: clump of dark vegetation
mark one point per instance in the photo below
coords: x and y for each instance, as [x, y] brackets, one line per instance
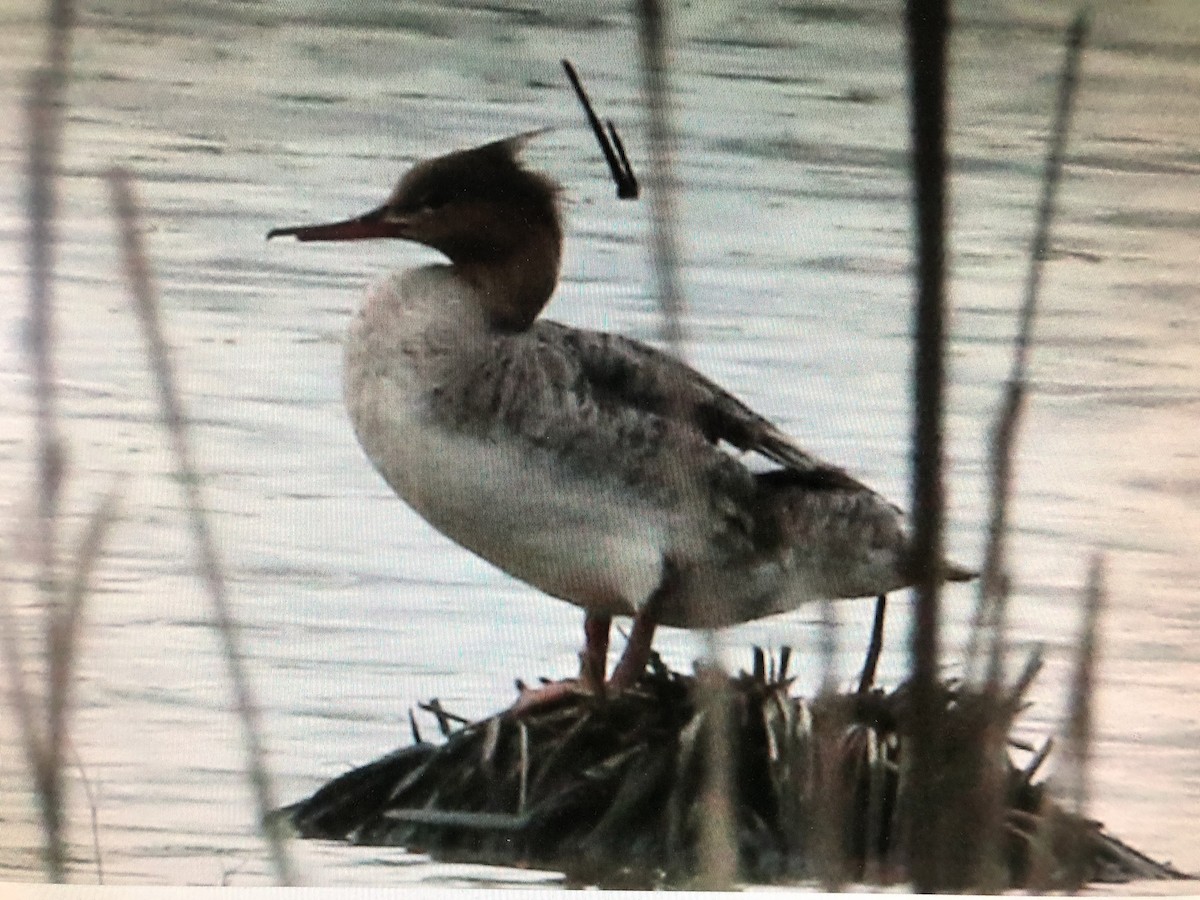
[608, 791]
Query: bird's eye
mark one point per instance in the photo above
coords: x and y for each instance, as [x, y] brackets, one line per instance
[432, 201]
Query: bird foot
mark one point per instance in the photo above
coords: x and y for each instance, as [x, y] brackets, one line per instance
[552, 693]
[590, 683]
[592, 664]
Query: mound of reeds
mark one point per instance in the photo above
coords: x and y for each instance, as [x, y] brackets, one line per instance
[608, 791]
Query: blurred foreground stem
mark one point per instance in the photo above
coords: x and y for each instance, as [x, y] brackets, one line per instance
[146, 302]
[928, 30]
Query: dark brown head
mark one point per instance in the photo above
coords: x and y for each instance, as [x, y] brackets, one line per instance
[494, 220]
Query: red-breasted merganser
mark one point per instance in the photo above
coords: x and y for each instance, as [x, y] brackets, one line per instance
[586, 464]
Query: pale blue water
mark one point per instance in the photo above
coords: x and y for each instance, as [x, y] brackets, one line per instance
[795, 215]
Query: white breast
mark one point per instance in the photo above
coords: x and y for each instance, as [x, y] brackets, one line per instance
[588, 541]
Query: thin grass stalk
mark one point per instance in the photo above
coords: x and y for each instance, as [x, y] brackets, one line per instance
[718, 838]
[46, 99]
[64, 636]
[928, 26]
[93, 812]
[827, 648]
[1041, 852]
[67, 622]
[829, 737]
[1058, 843]
[896, 857]
[718, 835]
[990, 623]
[43, 127]
[20, 700]
[664, 243]
[44, 112]
[876, 760]
[992, 605]
[609, 140]
[1077, 749]
[146, 303]
[44, 737]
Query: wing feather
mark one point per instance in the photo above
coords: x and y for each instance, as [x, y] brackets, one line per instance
[641, 376]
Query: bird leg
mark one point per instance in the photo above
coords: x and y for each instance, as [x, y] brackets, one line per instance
[867, 679]
[592, 663]
[593, 659]
[637, 651]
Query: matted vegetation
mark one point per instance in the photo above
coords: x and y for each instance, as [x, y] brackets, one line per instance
[609, 791]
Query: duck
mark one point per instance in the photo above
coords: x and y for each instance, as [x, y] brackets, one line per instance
[596, 468]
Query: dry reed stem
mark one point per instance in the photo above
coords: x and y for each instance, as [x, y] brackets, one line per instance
[830, 797]
[147, 306]
[65, 626]
[1077, 743]
[46, 99]
[43, 130]
[989, 625]
[44, 111]
[1059, 842]
[64, 636]
[664, 189]
[609, 140]
[28, 727]
[93, 811]
[44, 731]
[992, 604]
[928, 27]
[718, 835]
[828, 819]
[44, 125]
